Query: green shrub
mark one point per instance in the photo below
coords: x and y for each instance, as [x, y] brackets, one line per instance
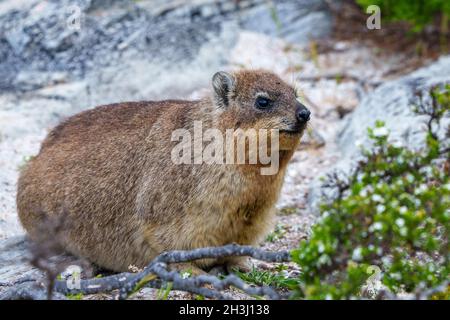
[392, 213]
[418, 13]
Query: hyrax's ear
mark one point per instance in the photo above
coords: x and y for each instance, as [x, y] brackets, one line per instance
[223, 84]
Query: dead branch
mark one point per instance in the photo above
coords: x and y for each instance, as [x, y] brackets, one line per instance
[156, 274]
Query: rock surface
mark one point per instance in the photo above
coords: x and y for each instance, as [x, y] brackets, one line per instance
[13, 257]
[77, 37]
[393, 103]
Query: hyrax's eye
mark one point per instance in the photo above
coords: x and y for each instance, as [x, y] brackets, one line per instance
[262, 103]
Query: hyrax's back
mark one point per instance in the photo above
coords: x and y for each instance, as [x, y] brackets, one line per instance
[89, 172]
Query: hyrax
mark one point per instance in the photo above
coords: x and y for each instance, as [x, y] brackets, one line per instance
[110, 172]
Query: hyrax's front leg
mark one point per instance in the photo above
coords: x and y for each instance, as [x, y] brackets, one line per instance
[231, 265]
[241, 264]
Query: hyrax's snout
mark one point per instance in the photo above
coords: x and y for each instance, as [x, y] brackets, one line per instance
[302, 113]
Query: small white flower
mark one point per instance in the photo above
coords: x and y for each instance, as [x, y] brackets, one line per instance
[403, 210]
[377, 198]
[426, 171]
[185, 275]
[400, 222]
[377, 226]
[397, 144]
[396, 276]
[380, 132]
[363, 193]
[323, 260]
[386, 261]
[380, 208]
[403, 231]
[410, 178]
[421, 189]
[357, 254]
[321, 248]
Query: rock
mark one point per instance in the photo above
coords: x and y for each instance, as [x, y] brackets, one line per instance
[17, 39]
[13, 254]
[30, 80]
[294, 21]
[43, 38]
[312, 139]
[15, 267]
[392, 102]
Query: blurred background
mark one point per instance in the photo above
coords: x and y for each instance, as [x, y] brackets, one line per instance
[349, 66]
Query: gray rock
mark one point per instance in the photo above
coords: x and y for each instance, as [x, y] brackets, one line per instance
[29, 80]
[17, 39]
[16, 270]
[312, 139]
[43, 39]
[392, 103]
[13, 255]
[295, 21]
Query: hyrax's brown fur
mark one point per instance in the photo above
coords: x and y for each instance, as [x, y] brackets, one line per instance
[109, 171]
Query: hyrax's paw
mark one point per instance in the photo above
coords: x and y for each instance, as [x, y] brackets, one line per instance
[218, 270]
[187, 269]
[240, 264]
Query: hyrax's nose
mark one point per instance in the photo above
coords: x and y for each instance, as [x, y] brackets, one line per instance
[303, 114]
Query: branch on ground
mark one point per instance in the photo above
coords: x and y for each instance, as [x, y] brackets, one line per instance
[156, 274]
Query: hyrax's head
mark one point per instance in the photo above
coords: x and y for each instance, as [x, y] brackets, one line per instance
[260, 100]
